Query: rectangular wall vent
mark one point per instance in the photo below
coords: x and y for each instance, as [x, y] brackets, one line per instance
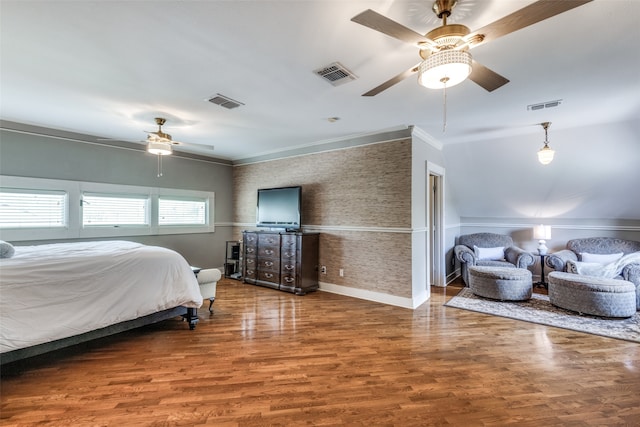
[543, 105]
[336, 74]
[224, 101]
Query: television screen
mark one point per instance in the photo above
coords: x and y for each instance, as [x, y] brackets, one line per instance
[279, 208]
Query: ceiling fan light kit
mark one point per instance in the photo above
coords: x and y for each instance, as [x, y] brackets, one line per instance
[159, 148]
[444, 69]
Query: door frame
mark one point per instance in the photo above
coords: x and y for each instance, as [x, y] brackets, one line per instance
[435, 225]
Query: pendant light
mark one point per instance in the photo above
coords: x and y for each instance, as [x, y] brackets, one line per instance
[545, 155]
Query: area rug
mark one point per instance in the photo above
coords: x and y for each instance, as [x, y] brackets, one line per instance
[539, 310]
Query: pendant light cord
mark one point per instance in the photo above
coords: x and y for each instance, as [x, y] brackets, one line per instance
[444, 80]
[159, 166]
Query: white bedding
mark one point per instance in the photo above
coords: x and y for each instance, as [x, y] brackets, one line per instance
[48, 292]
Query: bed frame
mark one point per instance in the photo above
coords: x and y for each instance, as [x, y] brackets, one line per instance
[188, 314]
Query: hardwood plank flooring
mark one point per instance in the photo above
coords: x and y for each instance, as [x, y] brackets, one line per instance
[271, 358]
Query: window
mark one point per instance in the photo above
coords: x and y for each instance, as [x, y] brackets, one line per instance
[47, 209]
[182, 211]
[114, 210]
[22, 208]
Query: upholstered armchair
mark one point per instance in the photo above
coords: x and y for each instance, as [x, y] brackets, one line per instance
[599, 246]
[489, 249]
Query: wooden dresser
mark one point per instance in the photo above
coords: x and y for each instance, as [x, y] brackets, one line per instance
[285, 261]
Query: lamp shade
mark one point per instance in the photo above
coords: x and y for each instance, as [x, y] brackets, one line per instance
[159, 148]
[542, 232]
[444, 69]
[545, 155]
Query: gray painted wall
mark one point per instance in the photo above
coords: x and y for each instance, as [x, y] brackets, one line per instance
[595, 174]
[58, 158]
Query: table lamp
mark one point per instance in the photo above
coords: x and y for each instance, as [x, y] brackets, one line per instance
[542, 233]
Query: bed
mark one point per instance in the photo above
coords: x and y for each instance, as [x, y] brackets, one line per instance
[56, 295]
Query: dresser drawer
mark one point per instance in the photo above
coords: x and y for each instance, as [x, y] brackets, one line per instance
[250, 273]
[269, 240]
[288, 254]
[251, 251]
[288, 267]
[269, 276]
[268, 264]
[288, 281]
[250, 239]
[289, 241]
[269, 251]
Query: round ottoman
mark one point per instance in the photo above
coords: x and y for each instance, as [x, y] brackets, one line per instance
[501, 283]
[592, 295]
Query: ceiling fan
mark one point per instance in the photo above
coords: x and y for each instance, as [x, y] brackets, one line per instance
[444, 50]
[161, 143]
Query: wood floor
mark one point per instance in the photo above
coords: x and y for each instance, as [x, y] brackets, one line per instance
[272, 358]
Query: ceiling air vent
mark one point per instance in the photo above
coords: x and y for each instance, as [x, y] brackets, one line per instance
[543, 105]
[336, 74]
[224, 101]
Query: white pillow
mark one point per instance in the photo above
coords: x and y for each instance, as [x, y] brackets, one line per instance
[600, 258]
[6, 249]
[578, 267]
[492, 254]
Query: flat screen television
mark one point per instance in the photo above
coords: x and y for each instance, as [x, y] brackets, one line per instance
[279, 208]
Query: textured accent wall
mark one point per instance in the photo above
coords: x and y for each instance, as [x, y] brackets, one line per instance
[358, 198]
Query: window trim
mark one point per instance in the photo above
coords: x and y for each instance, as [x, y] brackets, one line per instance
[62, 213]
[180, 229]
[75, 229]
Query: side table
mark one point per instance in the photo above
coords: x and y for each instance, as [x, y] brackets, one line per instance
[542, 283]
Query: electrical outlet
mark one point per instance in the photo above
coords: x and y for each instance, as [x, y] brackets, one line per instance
[341, 272]
[323, 269]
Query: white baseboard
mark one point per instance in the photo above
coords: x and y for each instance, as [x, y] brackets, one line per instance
[453, 276]
[410, 303]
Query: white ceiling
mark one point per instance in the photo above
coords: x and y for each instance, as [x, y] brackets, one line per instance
[107, 68]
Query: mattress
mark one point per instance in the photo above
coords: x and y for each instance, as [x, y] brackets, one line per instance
[49, 292]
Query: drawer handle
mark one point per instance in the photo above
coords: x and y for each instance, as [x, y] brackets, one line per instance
[249, 250]
[268, 275]
[250, 272]
[289, 267]
[268, 263]
[289, 279]
[288, 254]
[250, 261]
[268, 251]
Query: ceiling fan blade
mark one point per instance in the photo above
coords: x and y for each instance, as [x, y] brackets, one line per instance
[392, 81]
[192, 145]
[535, 12]
[486, 78]
[381, 23]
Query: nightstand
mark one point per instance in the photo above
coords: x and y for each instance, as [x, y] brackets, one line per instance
[541, 283]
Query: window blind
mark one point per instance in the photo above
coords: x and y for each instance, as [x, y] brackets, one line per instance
[175, 211]
[114, 210]
[21, 208]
